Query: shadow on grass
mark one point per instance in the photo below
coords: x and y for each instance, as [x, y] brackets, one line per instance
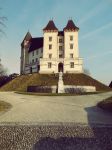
[4, 106]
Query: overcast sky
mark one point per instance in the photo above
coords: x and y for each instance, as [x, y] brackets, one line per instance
[93, 17]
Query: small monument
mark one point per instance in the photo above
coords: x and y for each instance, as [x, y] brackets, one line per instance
[60, 83]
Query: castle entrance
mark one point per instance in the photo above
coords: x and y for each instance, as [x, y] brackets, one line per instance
[60, 67]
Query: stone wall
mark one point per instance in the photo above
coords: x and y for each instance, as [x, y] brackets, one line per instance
[42, 89]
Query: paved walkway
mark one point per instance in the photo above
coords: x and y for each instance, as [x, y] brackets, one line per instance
[46, 109]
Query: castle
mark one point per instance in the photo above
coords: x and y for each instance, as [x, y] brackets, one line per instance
[57, 51]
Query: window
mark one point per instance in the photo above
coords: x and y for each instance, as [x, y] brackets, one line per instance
[36, 52]
[60, 56]
[60, 40]
[72, 65]
[33, 53]
[60, 47]
[71, 38]
[49, 65]
[36, 59]
[50, 38]
[50, 46]
[50, 55]
[71, 55]
[71, 46]
[32, 60]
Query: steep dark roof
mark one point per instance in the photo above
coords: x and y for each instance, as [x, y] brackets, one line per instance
[27, 37]
[35, 43]
[110, 85]
[71, 26]
[60, 33]
[50, 26]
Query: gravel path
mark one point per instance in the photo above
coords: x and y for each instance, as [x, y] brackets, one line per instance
[55, 123]
[78, 109]
[35, 109]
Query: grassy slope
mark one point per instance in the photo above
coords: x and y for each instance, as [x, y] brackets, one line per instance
[106, 104]
[4, 106]
[20, 83]
[82, 79]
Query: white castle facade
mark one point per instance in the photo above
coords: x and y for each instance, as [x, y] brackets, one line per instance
[57, 51]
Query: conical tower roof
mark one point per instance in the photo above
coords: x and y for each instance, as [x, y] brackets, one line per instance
[27, 37]
[71, 26]
[50, 26]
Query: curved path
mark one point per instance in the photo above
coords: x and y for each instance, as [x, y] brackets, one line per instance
[49, 109]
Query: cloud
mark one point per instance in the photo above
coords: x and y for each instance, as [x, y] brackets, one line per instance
[106, 26]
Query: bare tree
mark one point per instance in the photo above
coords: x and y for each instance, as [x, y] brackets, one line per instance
[2, 23]
[3, 71]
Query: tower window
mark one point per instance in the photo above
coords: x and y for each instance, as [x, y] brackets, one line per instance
[71, 38]
[60, 47]
[71, 46]
[60, 40]
[50, 55]
[71, 55]
[50, 46]
[32, 60]
[49, 65]
[50, 38]
[72, 65]
[60, 56]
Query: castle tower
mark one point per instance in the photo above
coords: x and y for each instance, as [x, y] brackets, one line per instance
[48, 64]
[24, 52]
[72, 62]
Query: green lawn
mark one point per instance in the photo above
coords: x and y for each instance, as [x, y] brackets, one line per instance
[106, 104]
[4, 106]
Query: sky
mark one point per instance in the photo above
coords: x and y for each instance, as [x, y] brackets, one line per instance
[93, 17]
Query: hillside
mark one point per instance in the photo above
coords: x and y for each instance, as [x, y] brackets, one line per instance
[83, 79]
[21, 82]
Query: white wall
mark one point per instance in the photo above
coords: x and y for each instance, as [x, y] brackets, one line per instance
[67, 43]
[54, 41]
